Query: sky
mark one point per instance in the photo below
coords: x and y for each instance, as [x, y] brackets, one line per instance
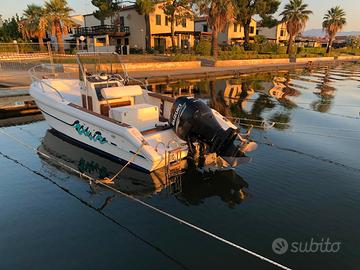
[352, 8]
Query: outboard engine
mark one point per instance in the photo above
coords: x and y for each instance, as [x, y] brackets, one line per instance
[194, 121]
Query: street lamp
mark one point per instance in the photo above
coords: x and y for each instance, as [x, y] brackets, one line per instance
[16, 46]
[82, 38]
[142, 34]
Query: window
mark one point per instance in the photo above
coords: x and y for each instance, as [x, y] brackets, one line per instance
[158, 19]
[235, 27]
[183, 22]
[166, 20]
[252, 29]
[205, 28]
[121, 21]
[282, 33]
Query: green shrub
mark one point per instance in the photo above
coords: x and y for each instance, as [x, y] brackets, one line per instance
[317, 50]
[136, 51]
[269, 47]
[203, 48]
[282, 49]
[260, 39]
[354, 42]
[253, 47]
[347, 50]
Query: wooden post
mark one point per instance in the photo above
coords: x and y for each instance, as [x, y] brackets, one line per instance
[48, 44]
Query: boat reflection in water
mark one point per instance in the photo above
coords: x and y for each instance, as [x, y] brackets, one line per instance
[191, 188]
[227, 185]
[131, 181]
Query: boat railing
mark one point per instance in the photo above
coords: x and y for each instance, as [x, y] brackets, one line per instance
[42, 72]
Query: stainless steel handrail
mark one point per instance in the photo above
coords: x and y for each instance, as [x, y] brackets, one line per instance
[51, 68]
[32, 71]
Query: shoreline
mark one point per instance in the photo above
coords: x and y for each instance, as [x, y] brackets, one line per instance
[16, 80]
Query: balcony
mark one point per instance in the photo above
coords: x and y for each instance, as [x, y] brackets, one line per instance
[112, 30]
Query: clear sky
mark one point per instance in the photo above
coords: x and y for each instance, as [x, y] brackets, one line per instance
[319, 7]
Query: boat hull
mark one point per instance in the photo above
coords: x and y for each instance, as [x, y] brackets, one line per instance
[109, 139]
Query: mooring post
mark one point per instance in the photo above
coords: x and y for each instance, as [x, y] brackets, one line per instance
[50, 53]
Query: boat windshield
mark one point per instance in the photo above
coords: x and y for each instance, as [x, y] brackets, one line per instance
[98, 63]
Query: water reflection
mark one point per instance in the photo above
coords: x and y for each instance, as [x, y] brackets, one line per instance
[325, 94]
[228, 186]
[190, 188]
[131, 181]
[266, 96]
[250, 97]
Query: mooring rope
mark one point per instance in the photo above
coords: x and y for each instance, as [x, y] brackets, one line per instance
[130, 161]
[181, 221]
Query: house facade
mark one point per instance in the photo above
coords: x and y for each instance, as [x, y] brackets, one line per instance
[277, 34]
[232, 34]
[127, 29]
[106, 36]
[160, 30]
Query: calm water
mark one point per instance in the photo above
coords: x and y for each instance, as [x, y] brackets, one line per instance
[303, 183]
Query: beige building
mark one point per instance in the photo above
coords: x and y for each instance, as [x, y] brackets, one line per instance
[233, 32]
[127, 29]
[278, 33]
[161, 32]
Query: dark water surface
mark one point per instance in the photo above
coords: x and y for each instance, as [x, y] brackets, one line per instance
[303, 185]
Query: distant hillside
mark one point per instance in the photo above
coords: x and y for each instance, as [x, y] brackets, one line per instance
[320, 33]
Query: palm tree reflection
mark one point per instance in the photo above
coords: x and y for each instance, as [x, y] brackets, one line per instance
[325, 94]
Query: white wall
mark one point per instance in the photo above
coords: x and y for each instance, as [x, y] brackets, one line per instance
[199, 26]
[90, 20]
[136, 23]
[268, 32]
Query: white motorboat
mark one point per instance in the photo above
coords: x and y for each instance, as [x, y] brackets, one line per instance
[102, 110]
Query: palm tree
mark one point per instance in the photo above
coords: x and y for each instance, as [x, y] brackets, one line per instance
[295, 15]
[334, 21]
[145, 7]
[57, 13]
[34, 24]
[219, 13]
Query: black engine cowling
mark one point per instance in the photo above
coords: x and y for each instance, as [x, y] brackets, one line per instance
[193, 121]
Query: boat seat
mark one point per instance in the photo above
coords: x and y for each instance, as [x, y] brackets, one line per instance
[142, 116]
[117, 92]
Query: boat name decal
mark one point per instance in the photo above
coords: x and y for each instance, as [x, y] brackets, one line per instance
[93, 136]
[92, 167]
